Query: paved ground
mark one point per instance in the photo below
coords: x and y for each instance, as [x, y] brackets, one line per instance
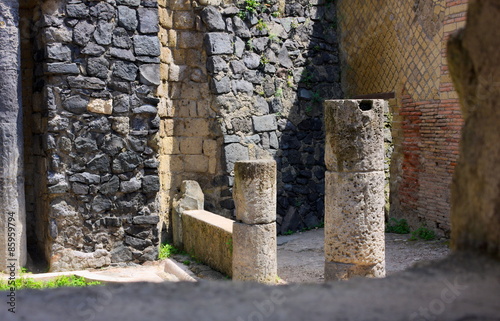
[300, 255]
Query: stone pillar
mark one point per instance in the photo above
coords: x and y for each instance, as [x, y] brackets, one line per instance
[191, 198]
[12, 217]
[254, 232]
[354, 191]
[474, 58]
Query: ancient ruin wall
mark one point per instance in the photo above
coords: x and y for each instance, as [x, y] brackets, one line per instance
[97, 74]
[254, 91]
[399, 46]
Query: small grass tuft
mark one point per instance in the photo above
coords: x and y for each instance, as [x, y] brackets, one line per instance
[423, 233]
[23, 282]
[397, 226]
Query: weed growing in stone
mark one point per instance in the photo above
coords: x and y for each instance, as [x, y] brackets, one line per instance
[250, 7]
[261, 25]
[167, 250]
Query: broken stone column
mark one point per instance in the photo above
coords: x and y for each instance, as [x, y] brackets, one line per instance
[12, 207]
[191, 198]
[354, 191]
[254, 232]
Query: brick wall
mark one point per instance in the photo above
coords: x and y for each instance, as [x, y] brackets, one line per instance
[402, 49]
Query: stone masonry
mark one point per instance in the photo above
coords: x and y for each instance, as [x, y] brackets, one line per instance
[254, 91]
[354, 200]
[96, 96]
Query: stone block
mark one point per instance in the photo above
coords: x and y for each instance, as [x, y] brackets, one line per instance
[149, 74]
[103, 34]
[196, 163]
[100, 106]
[146, 45]
[165, 17]
[210, 147]
[254, 252]
[354, 218]
[184, 20]
[354, 135]
[254, 191]
[265, 123]
[148, 20]
[208, 237]
[213, 19]
[127, 18]
[189, 39]
[61, 68]
[235, 152]
[191, 127]
[191, 145]
[218, 43]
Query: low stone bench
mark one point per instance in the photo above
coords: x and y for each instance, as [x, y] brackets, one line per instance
[209, 238]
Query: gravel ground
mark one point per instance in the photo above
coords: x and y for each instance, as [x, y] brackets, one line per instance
[300, 256]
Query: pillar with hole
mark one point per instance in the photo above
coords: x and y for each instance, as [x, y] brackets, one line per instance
[354, 195]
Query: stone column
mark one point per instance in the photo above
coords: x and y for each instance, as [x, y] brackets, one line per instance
[354, 191]
[12, 217]
[254, 232]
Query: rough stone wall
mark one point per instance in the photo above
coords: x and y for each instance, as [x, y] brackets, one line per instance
[269, 70]
[253, 91]
[474, 62]
[399, 47]
[98, 70]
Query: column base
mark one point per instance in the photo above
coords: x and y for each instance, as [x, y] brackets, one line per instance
[335, 271]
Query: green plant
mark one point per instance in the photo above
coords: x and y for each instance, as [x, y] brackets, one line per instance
[274, 38]
[278, 93]
[316, 98]
[167, 250]
[306, 77]
[264, 60]
[250, 44]
[397, 226]
[23, 282]
[422, 233]
[289, 232]
[250, 6]
[276, 14]
[229, 244]
[308, 109]
[186, 262]
[261, 25]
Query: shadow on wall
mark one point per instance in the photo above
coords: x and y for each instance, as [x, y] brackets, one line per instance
[313, 76]
[254, 92]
